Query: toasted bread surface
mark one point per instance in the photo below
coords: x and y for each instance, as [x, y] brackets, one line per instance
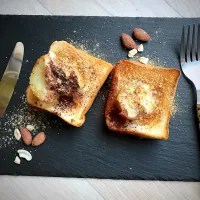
[140, 99]
[66, 81]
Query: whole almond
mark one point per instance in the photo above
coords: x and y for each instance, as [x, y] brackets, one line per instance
[26, 136]
[141, 35]
[128, 41]
[39, 139]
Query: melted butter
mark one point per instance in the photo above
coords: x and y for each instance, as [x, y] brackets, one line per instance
[137, 99]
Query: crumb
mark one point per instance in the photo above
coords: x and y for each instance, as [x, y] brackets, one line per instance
[93, 50]
[21, 115]
[174, 109]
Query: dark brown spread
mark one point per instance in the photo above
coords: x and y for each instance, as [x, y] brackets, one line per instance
[115, 117]
[65, 86]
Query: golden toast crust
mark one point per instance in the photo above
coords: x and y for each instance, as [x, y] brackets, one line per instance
[92, 73]
[165, 80]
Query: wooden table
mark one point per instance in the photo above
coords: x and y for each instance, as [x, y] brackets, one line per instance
[23, 188]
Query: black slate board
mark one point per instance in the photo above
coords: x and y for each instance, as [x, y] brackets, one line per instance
[92, 150]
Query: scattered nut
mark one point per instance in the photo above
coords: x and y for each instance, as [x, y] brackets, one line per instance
[140, 48]
[26, 136]
[143, 60]
[17, 134]
[128, 42]
[39, 139]
[30, 127]
[17, 160]
[141, 35]
[24, 154]
[132, 52]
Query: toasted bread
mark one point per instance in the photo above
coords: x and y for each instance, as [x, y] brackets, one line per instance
[66, 81]
[140, 99]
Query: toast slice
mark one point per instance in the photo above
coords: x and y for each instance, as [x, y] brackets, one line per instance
[66, 81]
[140, 99]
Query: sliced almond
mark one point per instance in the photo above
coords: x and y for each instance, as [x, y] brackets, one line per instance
[132, 52]
[17, 160]
[30, 127]
[140, 48]
[143, 60]
[17, 134]
[24, 154]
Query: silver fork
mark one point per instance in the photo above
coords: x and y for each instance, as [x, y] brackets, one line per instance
[190, 59]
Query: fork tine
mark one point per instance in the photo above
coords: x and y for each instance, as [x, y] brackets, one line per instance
[188, 46]
[198, 43]
[193, 55]
[182, 51]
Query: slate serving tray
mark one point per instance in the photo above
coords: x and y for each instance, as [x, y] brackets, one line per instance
[93, 150]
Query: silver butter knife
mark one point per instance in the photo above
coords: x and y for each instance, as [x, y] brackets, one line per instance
[10, 76]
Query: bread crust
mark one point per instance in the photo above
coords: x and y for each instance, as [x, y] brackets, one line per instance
[94, 73]
[165, 78]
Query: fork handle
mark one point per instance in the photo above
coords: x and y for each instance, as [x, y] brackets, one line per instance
[198, 106]
[198, 113]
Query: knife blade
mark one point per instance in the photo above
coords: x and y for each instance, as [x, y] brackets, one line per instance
[10, 76]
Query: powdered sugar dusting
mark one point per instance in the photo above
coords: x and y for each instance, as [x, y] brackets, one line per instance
[92, 49]
[21, 116]
[26, 114]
